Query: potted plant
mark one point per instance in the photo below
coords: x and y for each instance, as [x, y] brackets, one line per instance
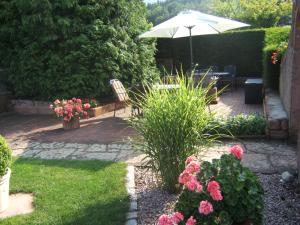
[71, 111]
[92, 111]
[5, 162]
[223, 192]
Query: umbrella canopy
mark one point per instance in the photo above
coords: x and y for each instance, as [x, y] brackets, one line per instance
[192, 23]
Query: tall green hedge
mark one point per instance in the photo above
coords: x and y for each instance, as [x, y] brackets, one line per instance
[66, 48]
[249, 50]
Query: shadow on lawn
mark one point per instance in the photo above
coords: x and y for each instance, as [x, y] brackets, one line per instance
[90, 165]
[109, 213]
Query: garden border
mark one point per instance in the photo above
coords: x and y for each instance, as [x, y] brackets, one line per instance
[130, 185]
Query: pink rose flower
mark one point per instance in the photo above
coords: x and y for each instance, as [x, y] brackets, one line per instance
[190, 159]
[87, 106]
[192, 184]
[199, 188]
[205, 207]
[165, 220]
[193, 167]
[237, 151]
[216, 195]
[191, 221]
[78, 100]
[177, 217]
[56, 102]
[184, 177]
[213, 186]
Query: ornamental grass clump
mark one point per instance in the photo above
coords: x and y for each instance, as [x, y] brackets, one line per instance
[172, 126]
[219, 193]
[5, 156]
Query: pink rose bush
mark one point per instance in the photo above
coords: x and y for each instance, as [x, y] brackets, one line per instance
[69, 109]
[212, 191]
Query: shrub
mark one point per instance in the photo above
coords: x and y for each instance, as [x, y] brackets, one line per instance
[275, 37]
[226, 192]
[61, 49]
[5, 156]
[242, 124]
[171, 127]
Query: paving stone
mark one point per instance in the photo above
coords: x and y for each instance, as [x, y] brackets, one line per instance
[30, 153]
[257, 163]
[70, 145]
[133, 206]
[131, 222]
[114, 147]
[100, 156]
[97, 148]
[55, 154]
[131, 215]
[283, 163]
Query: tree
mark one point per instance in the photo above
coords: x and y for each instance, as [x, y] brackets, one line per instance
[263, 13]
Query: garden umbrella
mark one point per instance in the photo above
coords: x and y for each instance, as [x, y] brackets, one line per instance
[192, 23]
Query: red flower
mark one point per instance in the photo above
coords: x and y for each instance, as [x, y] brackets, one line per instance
[237, 151]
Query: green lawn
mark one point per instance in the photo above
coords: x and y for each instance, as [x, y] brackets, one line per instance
[71, 192]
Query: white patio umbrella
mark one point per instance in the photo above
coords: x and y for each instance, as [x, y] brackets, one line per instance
[192, 23]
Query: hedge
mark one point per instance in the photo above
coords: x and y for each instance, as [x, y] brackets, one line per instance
[247, 49]
[71, 48]
[243, 49]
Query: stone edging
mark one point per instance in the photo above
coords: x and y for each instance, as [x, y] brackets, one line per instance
[130, 185]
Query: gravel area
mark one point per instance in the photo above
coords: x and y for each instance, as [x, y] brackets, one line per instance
[282, 203]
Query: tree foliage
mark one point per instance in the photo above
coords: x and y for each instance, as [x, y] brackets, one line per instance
[262, 13]
[67, 48]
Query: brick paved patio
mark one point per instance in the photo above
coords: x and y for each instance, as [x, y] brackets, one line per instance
[232, 103]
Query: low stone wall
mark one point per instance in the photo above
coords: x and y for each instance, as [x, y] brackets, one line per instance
[29, 107]
[277, 118]
[4, 101]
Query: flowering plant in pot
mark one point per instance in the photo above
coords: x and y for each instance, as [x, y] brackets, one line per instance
[91, 101]
[222, 192]
[5, 162]
[71, 111]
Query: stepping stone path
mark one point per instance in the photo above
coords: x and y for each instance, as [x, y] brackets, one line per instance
[260, 155]
[75, 151]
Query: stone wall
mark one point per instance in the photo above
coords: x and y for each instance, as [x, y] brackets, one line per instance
[290, 75]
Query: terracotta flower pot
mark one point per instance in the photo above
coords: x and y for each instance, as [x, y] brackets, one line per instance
[74, 123]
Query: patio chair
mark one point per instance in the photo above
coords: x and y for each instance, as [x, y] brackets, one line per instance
[120, 93]
[231, 69]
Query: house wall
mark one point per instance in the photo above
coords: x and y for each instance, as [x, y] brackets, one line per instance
[290, 75]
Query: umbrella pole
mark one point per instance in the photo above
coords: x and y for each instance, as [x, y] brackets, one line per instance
[191, 47]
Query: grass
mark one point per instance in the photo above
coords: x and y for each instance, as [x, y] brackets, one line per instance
[71, 192]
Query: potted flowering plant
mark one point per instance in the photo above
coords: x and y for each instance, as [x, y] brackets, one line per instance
[5, 162]
[92, 111]
[71, 111]
[222, 192]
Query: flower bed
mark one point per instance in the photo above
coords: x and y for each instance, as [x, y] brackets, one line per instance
[222, 192]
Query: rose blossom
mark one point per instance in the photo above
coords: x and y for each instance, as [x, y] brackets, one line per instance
[192, 184]
[87, 106]
[205, 207]
[213, 186]
[177, 217]
[190, 159]
[193, 167]
[199, 187]
[78, 100]
[56, 102]
[237, 151]
[216, 195]
[184, 177]
[165, 220]
[191, 221]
